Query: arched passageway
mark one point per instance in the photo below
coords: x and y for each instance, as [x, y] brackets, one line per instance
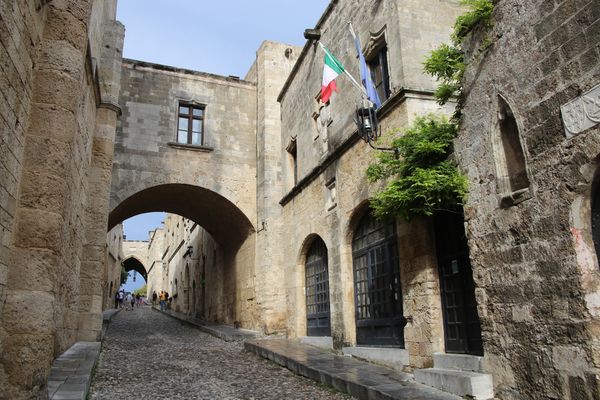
[133, 264]
[206, 245]
[229, 226]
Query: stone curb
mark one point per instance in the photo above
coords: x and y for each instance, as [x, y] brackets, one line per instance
[224, 332]
[106, 317]
[71, 373]
[357, 378]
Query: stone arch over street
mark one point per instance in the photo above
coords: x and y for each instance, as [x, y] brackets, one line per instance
[205, 236]
[132, 263]
[219, 216]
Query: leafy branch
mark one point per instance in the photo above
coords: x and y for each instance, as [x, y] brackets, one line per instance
[447, 62]
[423, 179]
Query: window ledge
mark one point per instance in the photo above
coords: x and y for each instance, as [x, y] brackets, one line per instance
[193, 147]
[514, 198]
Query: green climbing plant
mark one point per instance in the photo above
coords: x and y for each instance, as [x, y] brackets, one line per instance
[447, 62]
[423, 179]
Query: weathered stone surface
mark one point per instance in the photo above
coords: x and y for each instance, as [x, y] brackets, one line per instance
[152, 355]
[532, 261]
[47, 122]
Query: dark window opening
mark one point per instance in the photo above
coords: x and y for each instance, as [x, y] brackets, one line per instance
[513, 151]
[317, 290]
[190, 125]
[380, 74]
[377, 290]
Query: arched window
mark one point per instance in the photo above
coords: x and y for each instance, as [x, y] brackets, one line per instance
[510, 158]
[317, 290]
[377, 291]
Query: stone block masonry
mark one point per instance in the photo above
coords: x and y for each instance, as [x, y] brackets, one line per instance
[534, 265]
[48, 114]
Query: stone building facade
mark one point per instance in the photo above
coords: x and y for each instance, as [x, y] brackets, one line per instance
[188, 264]
[112, 271]
[531, 153]
[59, 84]
[269, 225]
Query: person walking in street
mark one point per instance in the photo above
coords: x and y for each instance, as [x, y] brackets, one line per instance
[117, 299]
[163, 301]
[154, 296]
[129, 302]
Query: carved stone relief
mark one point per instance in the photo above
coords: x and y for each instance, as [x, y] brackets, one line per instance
[582, 113]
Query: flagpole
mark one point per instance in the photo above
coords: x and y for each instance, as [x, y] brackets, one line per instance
[354, 82]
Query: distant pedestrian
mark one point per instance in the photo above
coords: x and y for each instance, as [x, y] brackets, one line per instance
[138, 300]
[132, 300]
[117, 299]
[163, 300]
[121, 298]
[128, 302]
[154, 296]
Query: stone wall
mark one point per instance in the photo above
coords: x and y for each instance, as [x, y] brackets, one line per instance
[112, 272]
[148, 157]
[49, 159]
[273, 64]
[202, 283]
[332, 192]
[21, 29]
[532, 252]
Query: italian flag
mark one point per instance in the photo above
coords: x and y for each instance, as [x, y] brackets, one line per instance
[333, 67]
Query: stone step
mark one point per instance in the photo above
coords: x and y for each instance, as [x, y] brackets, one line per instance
[462, 383]
[359, 379]
[325, 342]
[461, 362]
[389, 357]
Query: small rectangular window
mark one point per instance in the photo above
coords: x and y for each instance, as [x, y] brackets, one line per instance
[380, 74]
[190, 126]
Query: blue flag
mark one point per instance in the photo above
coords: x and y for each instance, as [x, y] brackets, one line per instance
[365, 74]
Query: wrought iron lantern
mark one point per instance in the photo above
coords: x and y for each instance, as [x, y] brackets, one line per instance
[367, 123]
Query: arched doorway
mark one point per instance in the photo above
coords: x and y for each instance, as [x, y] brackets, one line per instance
[462, 329]
[317, 290]
[377, 290]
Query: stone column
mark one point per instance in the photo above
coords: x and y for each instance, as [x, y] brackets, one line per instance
[38, 293]
[99, 180]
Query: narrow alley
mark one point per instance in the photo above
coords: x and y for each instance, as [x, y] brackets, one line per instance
[147, 355]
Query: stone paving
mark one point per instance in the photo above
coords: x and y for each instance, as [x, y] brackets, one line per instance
[147, 355]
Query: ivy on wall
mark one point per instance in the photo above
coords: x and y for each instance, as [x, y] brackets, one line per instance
[424, 179]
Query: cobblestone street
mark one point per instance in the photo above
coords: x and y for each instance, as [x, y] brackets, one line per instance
[147, 355]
